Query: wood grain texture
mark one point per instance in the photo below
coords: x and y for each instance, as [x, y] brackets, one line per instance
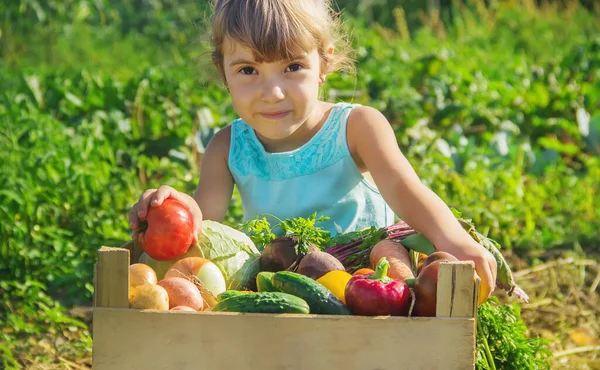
[142, 339]
[456, 290]
[112, 278]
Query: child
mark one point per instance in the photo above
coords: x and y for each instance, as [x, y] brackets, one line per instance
[291, 154]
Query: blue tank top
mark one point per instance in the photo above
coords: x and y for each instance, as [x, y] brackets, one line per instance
[320, 176]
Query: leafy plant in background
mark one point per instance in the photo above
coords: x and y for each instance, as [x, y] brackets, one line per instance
[499, 114]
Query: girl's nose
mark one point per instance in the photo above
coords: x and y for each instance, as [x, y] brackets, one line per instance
[272, 93]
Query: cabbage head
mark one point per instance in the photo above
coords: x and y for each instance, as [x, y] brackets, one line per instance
[232, 251]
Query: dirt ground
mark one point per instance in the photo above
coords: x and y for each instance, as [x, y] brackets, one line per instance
[564, 304]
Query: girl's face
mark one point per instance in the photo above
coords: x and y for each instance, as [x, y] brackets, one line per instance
[275, 99]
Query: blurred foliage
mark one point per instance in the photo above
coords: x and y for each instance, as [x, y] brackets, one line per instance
[497, 107]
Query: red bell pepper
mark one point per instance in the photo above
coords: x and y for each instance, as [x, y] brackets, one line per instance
[377, 294]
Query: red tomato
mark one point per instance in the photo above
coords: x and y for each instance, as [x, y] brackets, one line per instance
[169, 232]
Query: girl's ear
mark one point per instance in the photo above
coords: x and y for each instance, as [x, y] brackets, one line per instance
[325, 69]
[330, 50]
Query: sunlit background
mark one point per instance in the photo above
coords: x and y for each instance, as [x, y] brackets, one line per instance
[496, 104]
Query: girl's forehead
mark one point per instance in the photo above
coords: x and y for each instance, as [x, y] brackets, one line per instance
[233, 48]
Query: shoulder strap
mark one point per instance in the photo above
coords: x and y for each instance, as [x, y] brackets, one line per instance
[342, 122]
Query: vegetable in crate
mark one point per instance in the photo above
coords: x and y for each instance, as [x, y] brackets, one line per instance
[182, 292]
[425, 290]
[433, 257]
[140, 274]
[286, 254]
[149, 297]
[203, 273]
[263, 302]
[317, 263]
[364, 271]
[161, 267]
[182, 308]
[167, 232]
[353, 249]
[320, 299]
[263, 281]
[377, 294]
[231, 293]
[336, 282]
[206, 271]
[232, 251]
[280, 254]
[396, 255]
[425, 287]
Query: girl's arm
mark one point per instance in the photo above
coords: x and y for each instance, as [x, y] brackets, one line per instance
[374, 147]
[215, 186]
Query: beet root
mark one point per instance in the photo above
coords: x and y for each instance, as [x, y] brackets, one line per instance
[279, 254]
[317, 263]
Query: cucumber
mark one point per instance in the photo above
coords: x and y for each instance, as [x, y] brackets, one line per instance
[263, 302]
[230, 293]
[263, 282]
[319, 298]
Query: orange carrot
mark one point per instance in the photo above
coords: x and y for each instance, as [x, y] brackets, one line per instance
[398, 257]
[363, 271]
[420, 259]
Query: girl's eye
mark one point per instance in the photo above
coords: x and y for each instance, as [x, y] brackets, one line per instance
[293, 67]
[247, 70]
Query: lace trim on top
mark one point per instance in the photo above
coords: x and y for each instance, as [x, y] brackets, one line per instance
[248, 156]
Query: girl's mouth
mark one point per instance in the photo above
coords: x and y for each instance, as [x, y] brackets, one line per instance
[275, 115]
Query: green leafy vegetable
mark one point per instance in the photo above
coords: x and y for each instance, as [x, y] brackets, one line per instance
[230, 249]
[261, 232]
[502, 341]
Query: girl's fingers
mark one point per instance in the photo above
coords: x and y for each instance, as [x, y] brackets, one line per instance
[143, 203]
[133, 218]
[486, 272]
[163, 193]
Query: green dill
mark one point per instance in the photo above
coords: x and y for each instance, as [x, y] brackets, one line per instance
[502, 340]
[261, 232]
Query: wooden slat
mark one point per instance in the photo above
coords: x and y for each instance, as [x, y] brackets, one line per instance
[112, 278]
[138, 339]
[456, 292]
[476, 297]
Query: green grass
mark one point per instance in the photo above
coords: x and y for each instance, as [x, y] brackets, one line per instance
[96, 106]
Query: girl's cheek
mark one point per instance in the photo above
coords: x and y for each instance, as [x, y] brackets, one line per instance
[238, 88]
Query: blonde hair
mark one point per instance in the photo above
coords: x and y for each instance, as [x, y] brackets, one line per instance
[276, 29]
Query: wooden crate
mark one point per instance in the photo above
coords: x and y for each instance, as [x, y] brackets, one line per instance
[125, 338]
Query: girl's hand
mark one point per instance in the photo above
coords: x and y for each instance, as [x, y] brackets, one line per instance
[154, 198]
[485, 264]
